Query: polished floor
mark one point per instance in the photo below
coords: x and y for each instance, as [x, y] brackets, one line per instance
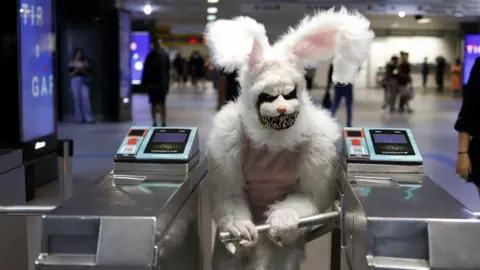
[431, 123]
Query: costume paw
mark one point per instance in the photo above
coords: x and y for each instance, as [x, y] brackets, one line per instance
[244, 232]
[283, 226]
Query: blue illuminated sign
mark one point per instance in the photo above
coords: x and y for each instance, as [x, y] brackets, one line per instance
[471, 52]
[36, 61]
[140, 47]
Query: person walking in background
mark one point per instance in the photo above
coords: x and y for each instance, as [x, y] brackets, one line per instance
[439, 73]
[79, 70]
[345, 91]
[179, 67]
[467, 126]
[228, 88]
[456, 77]
[196, 67]
[404, 80]
[327, 100]
[155, 80]
[309, 75]
[391, 85]
[425, 72]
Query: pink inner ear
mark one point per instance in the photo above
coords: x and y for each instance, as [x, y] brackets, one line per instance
[255, 56]
[319, 41]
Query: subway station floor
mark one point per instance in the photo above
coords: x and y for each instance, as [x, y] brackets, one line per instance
[431, 123]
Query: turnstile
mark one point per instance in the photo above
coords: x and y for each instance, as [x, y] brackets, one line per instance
[13, 230]
[148, 213]
[393, 215]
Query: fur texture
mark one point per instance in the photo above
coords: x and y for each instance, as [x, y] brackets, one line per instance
[241, 44]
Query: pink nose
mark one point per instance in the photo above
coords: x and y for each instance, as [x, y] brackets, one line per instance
[282, 109]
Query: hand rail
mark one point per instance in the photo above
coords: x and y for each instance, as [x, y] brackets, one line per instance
[26, 210]
[304, 222]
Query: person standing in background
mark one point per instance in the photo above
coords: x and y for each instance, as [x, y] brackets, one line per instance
[345, 91]
[456, 77]
[425, 72]
[309, 75]
[468, 129]
[79, 70]
[155, 80]
[439, 73]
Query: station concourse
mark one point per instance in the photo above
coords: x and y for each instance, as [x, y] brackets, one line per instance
[431, 124]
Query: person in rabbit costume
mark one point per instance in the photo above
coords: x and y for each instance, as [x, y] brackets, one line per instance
[272, 152]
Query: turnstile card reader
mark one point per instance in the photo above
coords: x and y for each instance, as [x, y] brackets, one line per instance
[152, 149]
[370, 149]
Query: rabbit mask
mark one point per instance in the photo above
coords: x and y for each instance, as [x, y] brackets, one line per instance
[271, 77]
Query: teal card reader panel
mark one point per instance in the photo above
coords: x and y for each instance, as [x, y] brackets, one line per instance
[382, 146]
[159, 144]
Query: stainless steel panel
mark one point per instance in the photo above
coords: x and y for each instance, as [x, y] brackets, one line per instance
[454, 244]
[13, 231]
[122, 167]
[109, 226]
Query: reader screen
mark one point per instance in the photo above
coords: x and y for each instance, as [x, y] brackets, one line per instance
[136, 132]
[390, 138]
[391, 142]
[169, 138]
[167, 141]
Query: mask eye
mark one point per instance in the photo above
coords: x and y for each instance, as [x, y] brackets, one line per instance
[266, 98]
[291, 95]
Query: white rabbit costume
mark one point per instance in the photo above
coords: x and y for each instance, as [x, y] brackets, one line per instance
[272, 152]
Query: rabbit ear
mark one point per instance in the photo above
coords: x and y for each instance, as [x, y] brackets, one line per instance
[344, 36]
[236, 43]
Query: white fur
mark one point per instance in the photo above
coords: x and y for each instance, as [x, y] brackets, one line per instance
[241, 44]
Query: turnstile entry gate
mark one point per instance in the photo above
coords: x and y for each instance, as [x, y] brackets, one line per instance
[151, 212]
[148, 213]
[393, 215]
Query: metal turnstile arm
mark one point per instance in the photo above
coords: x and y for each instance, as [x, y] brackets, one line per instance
[304, 222]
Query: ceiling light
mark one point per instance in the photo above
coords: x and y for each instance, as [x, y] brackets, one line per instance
[212, 10]
[212, 1]
[424, 20]
[401, 14]
[458, 14]
[211, 17]
[147, 9]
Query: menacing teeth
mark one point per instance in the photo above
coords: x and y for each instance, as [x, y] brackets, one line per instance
[283, 121]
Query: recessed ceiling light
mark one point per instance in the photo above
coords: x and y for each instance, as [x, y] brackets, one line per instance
[147, 9]
[401, 14]
[212, 1]
[211, 17]
[458, 14]
[212, 10]
[424, 20]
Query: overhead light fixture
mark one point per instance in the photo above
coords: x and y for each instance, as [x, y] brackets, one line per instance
[212, 10]
[401, 14]
[211, 17]
[147, 9]
[458, 14]
[212, 1]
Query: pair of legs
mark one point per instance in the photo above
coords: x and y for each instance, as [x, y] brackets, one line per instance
[345, 91]
[157, 101]
[81, 99]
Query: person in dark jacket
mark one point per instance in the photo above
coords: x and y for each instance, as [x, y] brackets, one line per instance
[468, 156]
[425, 72]
[155, 79]
[440, 73]
[196, 65]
